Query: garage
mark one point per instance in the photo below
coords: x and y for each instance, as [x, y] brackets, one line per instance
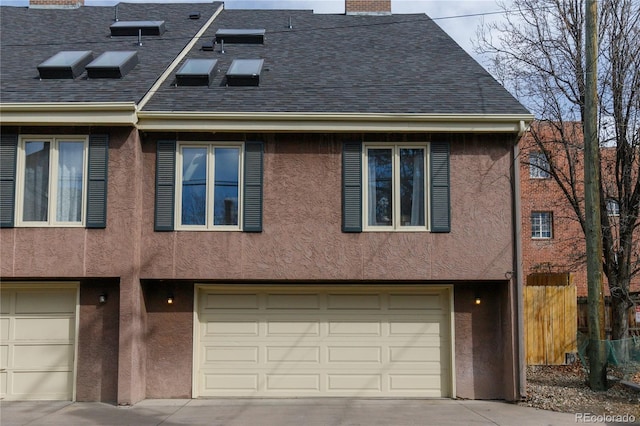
[330, 341]
[37, 346]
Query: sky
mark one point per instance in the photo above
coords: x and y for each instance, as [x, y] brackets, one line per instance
[451, 15]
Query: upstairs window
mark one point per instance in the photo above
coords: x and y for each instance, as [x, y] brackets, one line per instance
[51, 181]
[613, 207]
[395, 179]
[209, 186]
[541, 225]
[538, 166]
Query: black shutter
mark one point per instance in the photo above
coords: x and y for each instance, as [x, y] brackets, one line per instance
[252, 201]
[352, 187]
[440, 191]
[8, 151]
[97, 184]
[165, 185]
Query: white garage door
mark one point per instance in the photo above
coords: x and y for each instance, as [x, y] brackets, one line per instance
[37, 347]
[329, 341]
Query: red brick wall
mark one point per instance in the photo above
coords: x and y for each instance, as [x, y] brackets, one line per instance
[62, 3]
[565, 251]
[356, 6]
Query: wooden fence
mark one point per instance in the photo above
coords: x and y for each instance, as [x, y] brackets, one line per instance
[550, 306]
[583, 312]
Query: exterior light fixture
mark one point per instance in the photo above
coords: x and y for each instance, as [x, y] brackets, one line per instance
[170, 299]
[102, 299]
[477, 300]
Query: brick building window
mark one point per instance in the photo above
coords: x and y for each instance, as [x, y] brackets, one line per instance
[538, 166]
[613, 207]
[541, 225]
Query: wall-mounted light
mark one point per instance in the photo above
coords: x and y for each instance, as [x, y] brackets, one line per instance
[170, 299]
[477, 300]
[102, 299]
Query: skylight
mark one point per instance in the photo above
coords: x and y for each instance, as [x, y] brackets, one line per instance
[131, 28]
[196, 72]
[249, 36]
[65, 64]
[244, 72]
[112, 64]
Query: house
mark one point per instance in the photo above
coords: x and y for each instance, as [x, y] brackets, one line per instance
[553, 241]
[255, 203]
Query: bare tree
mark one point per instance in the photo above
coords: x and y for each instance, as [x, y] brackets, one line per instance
[538, 53]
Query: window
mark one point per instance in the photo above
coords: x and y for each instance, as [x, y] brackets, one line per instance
[395, 179]
[538, 166]
[51, 181]
[541, 225]
[613, 207]
[209, 183]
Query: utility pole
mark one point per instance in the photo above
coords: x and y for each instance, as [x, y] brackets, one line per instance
[595, 298]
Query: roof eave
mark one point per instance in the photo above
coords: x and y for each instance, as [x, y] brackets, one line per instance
[331, 122]
[69, 113]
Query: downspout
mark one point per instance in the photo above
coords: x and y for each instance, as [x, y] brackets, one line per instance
[521, 376]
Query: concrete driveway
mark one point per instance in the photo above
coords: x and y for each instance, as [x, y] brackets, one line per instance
[281, 412]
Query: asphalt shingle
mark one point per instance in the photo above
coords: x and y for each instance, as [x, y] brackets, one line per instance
[30, 36]
[325, 63]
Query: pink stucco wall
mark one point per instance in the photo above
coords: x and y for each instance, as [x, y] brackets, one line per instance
[301, 241]
[302, 237]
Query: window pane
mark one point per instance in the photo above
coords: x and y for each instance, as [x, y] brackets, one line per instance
[36, 182]
[225, 203]
[380, 193]
[541, 225]
[538, 165]
[70, 181]
[412, 187]
[194, 186]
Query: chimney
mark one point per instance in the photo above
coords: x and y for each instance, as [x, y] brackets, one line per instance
[55, 4]
[368, 7]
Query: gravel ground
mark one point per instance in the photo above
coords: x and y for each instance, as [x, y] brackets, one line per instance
[564, 388]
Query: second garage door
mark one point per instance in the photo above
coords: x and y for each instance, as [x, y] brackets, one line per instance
[328, 341]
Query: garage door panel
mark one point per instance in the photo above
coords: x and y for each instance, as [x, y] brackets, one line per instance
[419, 302]
[355, 382]
[293, 328]
[44, 329]
[4, 328]
[325, 342]
[43, 356]
[293, 354]
[231, 354]
[404, 328]
[41, 384]
[43, 302]
[354, 354]
[293, 382]
[354, 301]
[230, 328]
[231, 382]
[293, 301]
[5, 302]
[4, 356]
[412, 382]
[414, 354]
[231, 301]
[351, 328]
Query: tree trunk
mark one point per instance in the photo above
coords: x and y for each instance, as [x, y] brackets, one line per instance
[619, 318]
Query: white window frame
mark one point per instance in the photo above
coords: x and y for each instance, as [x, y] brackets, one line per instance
[53, 179]
[613, 207]
[540, 220]
[535, 166]
[211, 146]
[395, 147]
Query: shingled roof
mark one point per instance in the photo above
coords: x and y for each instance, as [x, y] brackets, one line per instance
[360, 64]
[30, 36]
[342, 64]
